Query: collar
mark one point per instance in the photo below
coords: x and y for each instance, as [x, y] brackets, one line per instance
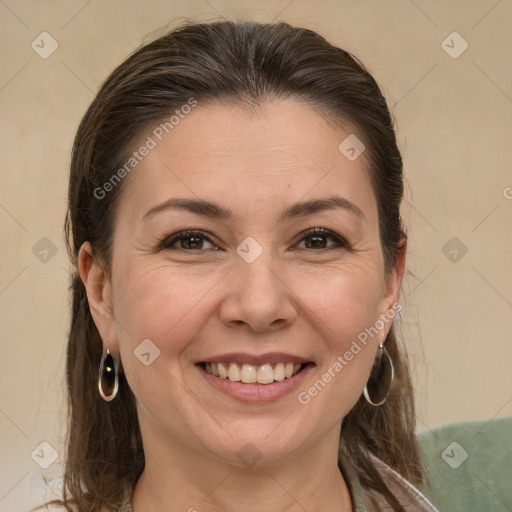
[369, 500]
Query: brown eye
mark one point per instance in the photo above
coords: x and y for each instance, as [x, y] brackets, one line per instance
[187, 241]
[191, 242]
[315, 241]
[317, 238]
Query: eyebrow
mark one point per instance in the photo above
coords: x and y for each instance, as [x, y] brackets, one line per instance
[214, 211]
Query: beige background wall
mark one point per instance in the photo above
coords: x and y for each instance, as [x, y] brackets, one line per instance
[454, 124]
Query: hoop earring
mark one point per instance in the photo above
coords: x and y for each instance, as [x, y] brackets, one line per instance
[108, 382]
[381, 376]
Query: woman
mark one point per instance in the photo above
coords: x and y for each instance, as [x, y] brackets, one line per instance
[234, 220]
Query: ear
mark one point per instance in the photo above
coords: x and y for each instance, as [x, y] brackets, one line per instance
[99, 295]
[393, 281]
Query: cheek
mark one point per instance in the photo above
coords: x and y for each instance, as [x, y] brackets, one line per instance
[345, 300]
[170, 307]
[347, 309]
[156, 302]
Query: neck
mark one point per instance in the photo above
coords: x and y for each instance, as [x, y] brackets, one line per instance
[178, 477]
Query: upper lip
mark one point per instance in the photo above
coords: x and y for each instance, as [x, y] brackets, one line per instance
[256, 360]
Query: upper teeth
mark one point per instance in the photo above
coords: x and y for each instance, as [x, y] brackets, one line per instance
[249, 373]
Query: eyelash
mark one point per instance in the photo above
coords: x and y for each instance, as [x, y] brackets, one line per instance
[167, 242]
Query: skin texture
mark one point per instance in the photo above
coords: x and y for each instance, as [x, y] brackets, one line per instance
[196, 303]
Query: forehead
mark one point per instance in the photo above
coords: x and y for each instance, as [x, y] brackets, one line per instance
[287, 128]
[217, 151]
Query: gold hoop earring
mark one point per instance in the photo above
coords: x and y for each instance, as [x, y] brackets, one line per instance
[108, 381]
[377, 388]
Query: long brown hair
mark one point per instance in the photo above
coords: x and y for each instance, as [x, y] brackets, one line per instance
[246, 63]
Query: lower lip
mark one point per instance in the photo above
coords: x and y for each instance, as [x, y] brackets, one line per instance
[257, 393]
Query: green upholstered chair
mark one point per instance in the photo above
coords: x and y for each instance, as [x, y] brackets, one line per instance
[469, 465]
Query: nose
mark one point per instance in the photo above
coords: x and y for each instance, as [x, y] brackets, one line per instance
[259, 297]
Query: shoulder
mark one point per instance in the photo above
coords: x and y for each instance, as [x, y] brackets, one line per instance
[370, 500]
[468, 464]
[411, 498]
[40, 491]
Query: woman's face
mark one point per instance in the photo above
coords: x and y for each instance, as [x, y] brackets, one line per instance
[250, 285]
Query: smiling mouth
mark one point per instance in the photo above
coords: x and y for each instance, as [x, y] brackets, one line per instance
[254, 374]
